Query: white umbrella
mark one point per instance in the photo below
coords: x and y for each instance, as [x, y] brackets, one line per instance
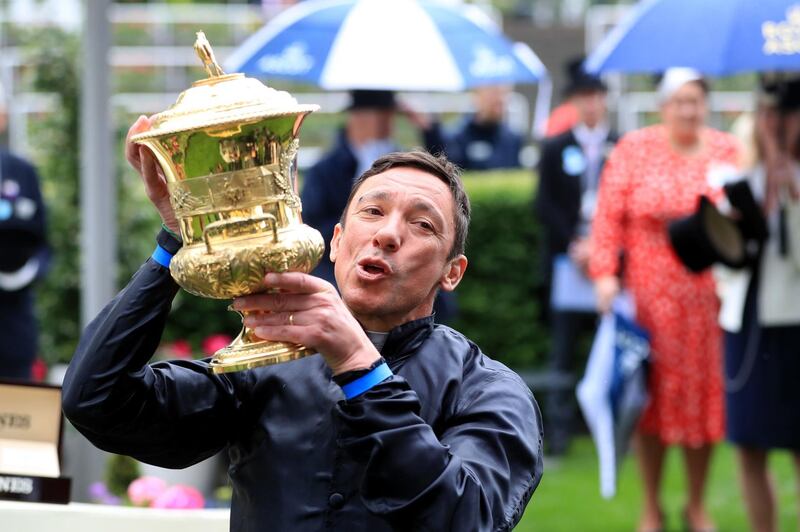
[402, 45]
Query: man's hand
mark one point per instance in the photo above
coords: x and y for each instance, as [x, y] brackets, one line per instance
[155, 184]
[579, 251]
[308, 310]
[606, 289]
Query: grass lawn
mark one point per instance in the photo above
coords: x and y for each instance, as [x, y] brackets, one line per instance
[568, 499]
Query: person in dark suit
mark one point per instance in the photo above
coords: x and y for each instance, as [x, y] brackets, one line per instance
[483, 141]
[569, 173]
[24, 257]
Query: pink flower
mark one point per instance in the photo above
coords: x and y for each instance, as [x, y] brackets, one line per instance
[215, 342]
[179, 497]
[180, 349]
[39, 370]
[144, 490]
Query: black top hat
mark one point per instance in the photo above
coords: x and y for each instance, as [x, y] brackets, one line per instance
[780, 90]
[581, 81]
[371, 99]
[706, 237]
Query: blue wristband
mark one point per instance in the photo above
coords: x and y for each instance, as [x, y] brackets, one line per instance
[162, 256]
[362, 384]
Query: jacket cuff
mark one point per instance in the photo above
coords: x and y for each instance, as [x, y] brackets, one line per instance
[168, 242]
[347, 377]
[167, 246]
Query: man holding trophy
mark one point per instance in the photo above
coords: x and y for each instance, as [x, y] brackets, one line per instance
[398, 423]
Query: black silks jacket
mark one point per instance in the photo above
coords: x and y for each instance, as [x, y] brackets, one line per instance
[451, 442]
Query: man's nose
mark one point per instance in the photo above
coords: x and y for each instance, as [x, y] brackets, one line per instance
[388, 236]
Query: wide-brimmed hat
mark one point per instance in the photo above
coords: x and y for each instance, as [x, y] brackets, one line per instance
[578, 80]
[371, 99]
[707, 237]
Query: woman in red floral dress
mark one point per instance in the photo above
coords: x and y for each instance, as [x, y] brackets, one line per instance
[653, 176]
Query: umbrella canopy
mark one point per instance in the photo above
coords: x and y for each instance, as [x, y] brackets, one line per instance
[397, 45]
[716, 37]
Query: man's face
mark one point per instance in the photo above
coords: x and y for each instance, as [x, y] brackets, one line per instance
[490, 103]
[371, 124]
[591, 106]
[391, 254]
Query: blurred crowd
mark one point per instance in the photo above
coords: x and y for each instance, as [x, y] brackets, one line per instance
[703, 240]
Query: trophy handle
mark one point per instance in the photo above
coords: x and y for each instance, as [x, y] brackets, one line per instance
[221, 225]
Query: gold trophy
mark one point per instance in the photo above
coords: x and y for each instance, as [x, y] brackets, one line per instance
[228, 148]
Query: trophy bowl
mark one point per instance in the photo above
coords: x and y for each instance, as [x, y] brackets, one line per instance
[228, 150]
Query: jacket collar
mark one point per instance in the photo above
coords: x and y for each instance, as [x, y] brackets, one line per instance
[406, 338]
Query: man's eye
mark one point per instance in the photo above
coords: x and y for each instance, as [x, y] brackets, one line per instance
[426, 225]
[372, 210]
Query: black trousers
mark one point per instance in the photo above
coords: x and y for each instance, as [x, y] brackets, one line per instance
[568, 331]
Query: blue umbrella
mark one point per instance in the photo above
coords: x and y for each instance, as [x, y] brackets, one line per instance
[716, 37]
[375, 44]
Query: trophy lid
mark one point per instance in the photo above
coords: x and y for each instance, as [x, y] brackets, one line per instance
[220, 100]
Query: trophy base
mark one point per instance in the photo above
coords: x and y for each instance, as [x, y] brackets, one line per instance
[240, 356]
[248, 351]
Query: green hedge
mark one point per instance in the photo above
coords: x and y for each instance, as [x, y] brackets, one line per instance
[55, 152]
[498, 295]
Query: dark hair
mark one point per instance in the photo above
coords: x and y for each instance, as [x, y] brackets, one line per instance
[579, 81]
[703, 83]
[436, 165]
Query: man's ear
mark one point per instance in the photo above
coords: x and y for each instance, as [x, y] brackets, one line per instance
[337, 234]
[453, 272]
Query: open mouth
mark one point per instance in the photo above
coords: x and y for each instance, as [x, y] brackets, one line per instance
[374, 268]
[371, 268]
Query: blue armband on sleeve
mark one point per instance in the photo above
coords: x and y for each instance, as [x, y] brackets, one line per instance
[366, 382]
[162, 256]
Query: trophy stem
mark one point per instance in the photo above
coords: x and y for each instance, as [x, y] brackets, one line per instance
[249, 351]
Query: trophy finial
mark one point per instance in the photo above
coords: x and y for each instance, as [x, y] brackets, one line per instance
[206, 55]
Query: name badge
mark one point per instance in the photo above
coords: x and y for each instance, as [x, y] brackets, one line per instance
[573, 161]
